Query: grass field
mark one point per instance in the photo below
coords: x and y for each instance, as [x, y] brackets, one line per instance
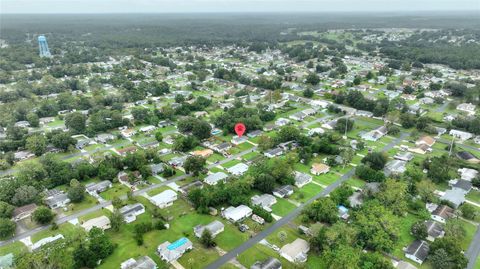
[282, 207]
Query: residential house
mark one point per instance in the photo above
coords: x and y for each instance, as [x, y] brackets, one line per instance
[275, 152]
[395, 167]
[130, 212]
[283, 191]
[265, 201]
[467, 173]
[467, 108]
[417, 251]
[214, 178]
[461, 134]
[299, 116]
[282, 122]
[56, 199]
[205, 153]
[375, 134]
[302, 179]
[127, 133]
[295, 252]
[185, 189]
[42, 242]
[238, 169]
[23, 155]
[144, 262]
[170, 252]
[6, 261]
[177, 161]
[236, 214]
[434, 229]
[467, 156]
[330, 125]
[440, 213]
[254, 133]
[315, 131]
[23, 212]
[237, 140]
[363, 113]
[157, 168]
[104, 138]
[403, 156]
[270, 263]
[425, 140]
[102, 222]
[95, 188]
[127, 150]
[164, 199]
[215, 227]
[455, 196]
[319, 168]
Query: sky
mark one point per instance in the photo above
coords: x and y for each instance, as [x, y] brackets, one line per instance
[194, 6]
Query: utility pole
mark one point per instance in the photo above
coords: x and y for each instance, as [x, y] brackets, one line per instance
[451, 146]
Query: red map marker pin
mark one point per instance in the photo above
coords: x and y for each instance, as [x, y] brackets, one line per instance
[240, 129]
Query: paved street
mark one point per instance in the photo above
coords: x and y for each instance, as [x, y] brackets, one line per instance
[107, 203]
[292, 215]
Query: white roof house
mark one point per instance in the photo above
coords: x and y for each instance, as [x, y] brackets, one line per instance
[214, 178]
[467, 173]
[102, 222]
[302, 179]
[265, 201]
[296, 251]
[238, 169]
[172, 251]
[164, 199]
[461, 134]
[144, 262]
[215, 227]
[235, 214]
[467, 107]
[130, 212]
[45, 241]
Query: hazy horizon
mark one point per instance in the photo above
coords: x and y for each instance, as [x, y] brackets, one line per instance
[232, 6]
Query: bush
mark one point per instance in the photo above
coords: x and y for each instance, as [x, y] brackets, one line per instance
[43, 215]
[259, 211]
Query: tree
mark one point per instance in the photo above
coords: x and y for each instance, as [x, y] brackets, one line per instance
[419, 230]
[265, 142]
[375, 160]
[447, 253]
[117, 202]
[185, 143]
[116, 220]
[6, 210]
[194, 164]
[33, 119]
[323, 210]
[344, 123]
[75, 122]
[426, 190]
[468, 211]
[206, 239]
[377, 226]
[393, 195]
[36, 144]
[158, 136]
[308, 93]
[63, 140]
[43, 215]
[76, 193]
[312, 79]
[7, 228]
[438, 169]
[455, 228]
[25, 195]
[342, 257]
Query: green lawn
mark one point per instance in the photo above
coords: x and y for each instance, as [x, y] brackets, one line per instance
[87, 202]
[116, 190]
[231, 163]
[66, 229]
[158, 190]
[306, 192]
[405, 237]
[16, 248]
[474, 196]
[477, 264]
[282, 207]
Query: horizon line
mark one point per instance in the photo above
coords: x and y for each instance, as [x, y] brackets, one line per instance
[247, 12]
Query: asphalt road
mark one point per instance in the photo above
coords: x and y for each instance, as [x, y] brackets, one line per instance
[107, 203]
[292, 215]
[473, 250]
